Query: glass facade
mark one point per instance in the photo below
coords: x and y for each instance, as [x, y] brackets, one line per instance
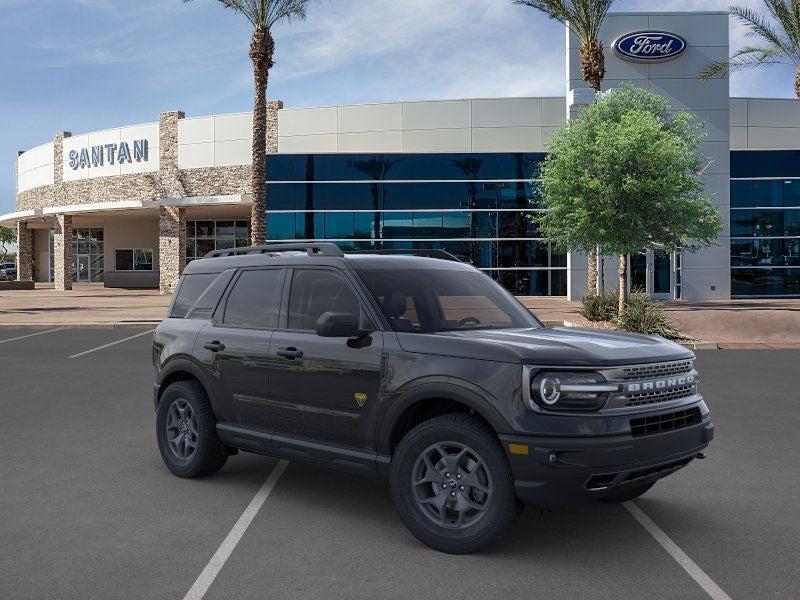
[476, 206]
[765, 223]
[205, 236]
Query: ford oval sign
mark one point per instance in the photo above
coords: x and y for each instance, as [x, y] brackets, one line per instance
[649, 46]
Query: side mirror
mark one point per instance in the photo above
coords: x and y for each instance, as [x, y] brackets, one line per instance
[336, 324]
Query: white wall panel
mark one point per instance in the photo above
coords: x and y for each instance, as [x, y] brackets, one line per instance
[233, 127]
[739, 138]
[35, 167]
[299, 144]
[371, 141]
[554, 111]
[510, 139]
[766, 138]
[738, 112]
[370, 117]
[443, 114]
[773, 113]
[308, 121]
[507, 112]
[698, 29]
[196, 131]
[195, 156]
[437, 140]
[233, 152]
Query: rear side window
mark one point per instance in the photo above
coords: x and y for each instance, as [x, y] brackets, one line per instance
[191, 288]
[254, 300]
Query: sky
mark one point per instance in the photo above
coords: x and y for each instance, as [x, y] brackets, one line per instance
[86, 65]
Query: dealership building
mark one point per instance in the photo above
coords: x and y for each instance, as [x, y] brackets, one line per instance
[130, 206]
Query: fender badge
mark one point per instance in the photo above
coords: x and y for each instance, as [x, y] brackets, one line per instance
[360, 397]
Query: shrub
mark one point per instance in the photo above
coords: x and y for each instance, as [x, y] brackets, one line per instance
[645, 315]
[602, 307]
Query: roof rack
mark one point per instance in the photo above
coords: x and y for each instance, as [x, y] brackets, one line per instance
[323, 249]
[424, 252]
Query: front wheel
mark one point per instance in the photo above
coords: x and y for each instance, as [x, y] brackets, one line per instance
[452, 485]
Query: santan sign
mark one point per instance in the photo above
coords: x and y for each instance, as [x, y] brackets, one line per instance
[97, 156]
[649, 46]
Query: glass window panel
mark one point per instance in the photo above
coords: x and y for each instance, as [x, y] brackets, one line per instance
[765, 282]
[791, 192]
[189, 248]
[768, 222]
[365, 225]
[143, 259]
[339, 225]
[281, 196]
[226, 229]
[367, 195]
[455, 195]
[558, 282]
[204, 247]
[742, 194]
[484, 195]
[768, 163]
[457, 224]
[83, 247]
[123, 260]
[426, 166]
[397, 196]
[191, 287]
[397, 225]
[741, 222]
[426, 195]
[282, 167]
[742, 164]
[225, 243]
[280, 226]
[254, 299]
[791, 222]
[204, 229]
[427, 225]
[339, 196]
[558, 259]
[242, 228]
[790, 165]
[768, 193]
[242, 242]
[190, 229]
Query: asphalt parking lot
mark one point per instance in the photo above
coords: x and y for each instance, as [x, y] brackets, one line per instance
[87, 509]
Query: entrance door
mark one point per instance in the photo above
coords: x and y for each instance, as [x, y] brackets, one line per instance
[83, 269]
[638, 269]
[651, 272]
[662, 272]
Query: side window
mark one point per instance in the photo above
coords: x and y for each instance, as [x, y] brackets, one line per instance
[315, 292]
[254, 300]
[191, 288]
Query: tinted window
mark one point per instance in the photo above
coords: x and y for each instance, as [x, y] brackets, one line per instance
[315, 292]
[254, 299]
[188, 293]
[428, 301]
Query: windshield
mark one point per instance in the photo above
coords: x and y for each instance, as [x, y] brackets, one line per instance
[427, 301]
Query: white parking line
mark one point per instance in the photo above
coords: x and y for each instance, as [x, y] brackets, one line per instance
[111, 344]
[688, 565]
[214, 566]
[22, 337]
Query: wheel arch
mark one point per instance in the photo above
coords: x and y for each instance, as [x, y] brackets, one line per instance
[182, 369]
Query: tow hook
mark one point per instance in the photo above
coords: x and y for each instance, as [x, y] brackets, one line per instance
[700, 455]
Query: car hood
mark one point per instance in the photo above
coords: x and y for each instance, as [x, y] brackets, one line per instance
[565, 346]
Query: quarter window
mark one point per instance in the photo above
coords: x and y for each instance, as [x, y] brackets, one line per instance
[192, 286]
[254, 299]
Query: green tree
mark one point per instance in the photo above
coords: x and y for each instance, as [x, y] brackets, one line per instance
[584, 19]
[626, 174]
[778, 36]
[263, 15]
[7, 236]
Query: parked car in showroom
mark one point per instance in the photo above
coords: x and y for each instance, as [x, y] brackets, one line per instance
[8, 271]
[422, 371]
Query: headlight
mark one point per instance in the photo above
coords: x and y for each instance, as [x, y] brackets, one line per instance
[570, 390]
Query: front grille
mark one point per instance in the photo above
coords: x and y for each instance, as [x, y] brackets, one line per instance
[651, 397]
[665, 422]
[656, 370]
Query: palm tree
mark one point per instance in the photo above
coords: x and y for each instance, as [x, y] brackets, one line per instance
[262, 15]
[779, 41]
[584, 19]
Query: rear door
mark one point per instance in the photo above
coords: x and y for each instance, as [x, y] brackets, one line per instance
[324, 389]
[234, 344]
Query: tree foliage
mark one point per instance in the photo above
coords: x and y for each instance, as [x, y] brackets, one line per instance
[626, 175]
[8, 236]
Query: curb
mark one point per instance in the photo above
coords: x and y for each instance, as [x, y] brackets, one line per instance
[95, 325]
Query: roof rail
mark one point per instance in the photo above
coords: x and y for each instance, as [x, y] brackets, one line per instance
[424, 252]
[322, 249]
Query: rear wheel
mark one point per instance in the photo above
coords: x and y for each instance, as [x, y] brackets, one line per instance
[452, 485]
[628, 493]
[186, 431]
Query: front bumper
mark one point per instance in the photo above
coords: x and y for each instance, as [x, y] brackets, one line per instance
[559, 471]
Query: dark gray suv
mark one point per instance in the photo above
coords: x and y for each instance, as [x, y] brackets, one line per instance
[420, 370]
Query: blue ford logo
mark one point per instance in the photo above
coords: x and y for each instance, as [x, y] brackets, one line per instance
[649, 46]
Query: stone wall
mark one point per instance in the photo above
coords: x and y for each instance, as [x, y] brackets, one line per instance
[62, 250]
[171, 246]
[24, 252]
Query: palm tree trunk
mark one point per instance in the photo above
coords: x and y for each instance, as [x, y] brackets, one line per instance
[797, 84]
[592, 273]
[262, 48]
[623, 282]
[593, 67]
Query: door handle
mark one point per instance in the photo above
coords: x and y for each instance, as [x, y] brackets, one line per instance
[290, 353]
[214, 346]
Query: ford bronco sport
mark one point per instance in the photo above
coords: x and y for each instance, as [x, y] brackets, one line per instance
[420, 370]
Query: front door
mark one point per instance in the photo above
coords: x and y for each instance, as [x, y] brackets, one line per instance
[83, 269]
[324, 389]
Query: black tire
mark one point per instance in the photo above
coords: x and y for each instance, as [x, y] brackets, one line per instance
[429, 523]
[207, 455]
[628, 493]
